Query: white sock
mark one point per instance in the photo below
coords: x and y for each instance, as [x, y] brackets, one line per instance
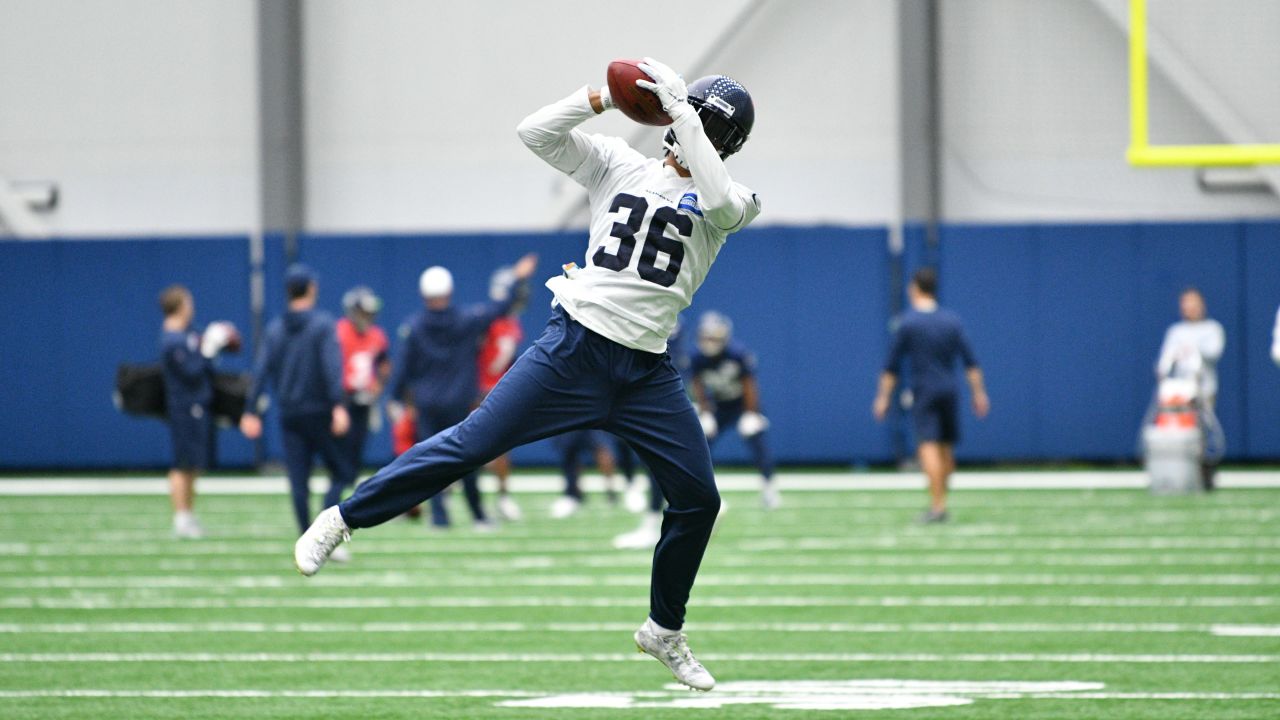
[658, 630]
[183, 516]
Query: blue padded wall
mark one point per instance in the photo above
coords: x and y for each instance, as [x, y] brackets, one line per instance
[75, 309]
[1066, 320]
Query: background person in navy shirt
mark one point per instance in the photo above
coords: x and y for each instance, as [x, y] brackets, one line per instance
[436, 370]
[186, 362]
[301, 359]
[931, 339]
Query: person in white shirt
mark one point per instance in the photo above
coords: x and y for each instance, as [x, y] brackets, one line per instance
[1193, 346]
[602, 362]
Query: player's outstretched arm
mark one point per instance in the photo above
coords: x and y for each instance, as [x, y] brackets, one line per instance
[721, 205]
[550, 132]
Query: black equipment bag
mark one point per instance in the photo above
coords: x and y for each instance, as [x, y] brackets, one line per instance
[140, 391]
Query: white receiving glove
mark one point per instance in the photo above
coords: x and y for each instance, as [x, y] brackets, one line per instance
[667, 84]
[709, 426]
[215, 337]
[751, 424]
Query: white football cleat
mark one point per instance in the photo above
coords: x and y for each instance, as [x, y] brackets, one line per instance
[564, 506]
[771, 496]
[643, 537]
[508, 509]
[186, 527]
[319, 541]
[635, 498]
[673, 651]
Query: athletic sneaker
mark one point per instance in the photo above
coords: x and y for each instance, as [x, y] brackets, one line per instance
[643, 537]
[319, 541]
[186, 527]
[932, 517]
[564, 506]
[508, 509]
[771, 496]
[635, 499]
[673, 651]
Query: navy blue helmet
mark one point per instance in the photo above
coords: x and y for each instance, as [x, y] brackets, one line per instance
[726, 111]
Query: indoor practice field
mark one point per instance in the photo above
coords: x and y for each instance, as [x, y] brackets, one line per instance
[1033, 603]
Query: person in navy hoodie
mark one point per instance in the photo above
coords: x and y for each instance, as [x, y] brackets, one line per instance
[435, 372]
[301, 360]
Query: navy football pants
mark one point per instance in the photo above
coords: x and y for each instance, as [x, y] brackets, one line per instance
[626, 458]
[573, 378]
[306, 436]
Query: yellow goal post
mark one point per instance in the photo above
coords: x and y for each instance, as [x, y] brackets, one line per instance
[1141, 152]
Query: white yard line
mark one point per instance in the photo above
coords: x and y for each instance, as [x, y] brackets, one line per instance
[601, 627]
[172, 694]
[1246, 630]
[987, 693]
[428, 657]
[636, 601]
[643, 560]
[549, 482]
[472, 544]
[406, 580]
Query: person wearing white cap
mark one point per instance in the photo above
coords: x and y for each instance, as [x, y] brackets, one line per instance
[436, 369]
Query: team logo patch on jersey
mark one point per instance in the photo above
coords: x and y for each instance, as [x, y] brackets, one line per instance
[689, 201]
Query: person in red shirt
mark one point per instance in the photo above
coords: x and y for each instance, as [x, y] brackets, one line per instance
[497, 355]
[365, 366]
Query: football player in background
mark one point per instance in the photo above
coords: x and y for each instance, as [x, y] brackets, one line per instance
[727, 394]
[186, 363]
[365, 366]
[932, 340]
[301, 360]
[656, 227]
[497, 355]
[572, 446]
[436, 372]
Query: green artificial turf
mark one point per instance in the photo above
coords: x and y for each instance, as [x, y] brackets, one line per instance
[1115, 592]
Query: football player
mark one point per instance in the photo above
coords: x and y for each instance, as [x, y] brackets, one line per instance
[727, 395]
[497, 355]
[656, 227]
[365, 366]
[572, 446]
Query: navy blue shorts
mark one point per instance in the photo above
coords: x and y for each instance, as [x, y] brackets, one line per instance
[192, 433]
[937, 419]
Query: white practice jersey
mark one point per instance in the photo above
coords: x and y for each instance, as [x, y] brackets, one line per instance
[651, 245]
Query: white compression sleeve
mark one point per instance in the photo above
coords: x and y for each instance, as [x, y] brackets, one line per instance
[722, 206]
[549, 132]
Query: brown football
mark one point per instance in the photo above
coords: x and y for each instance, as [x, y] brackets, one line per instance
[634, 101]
